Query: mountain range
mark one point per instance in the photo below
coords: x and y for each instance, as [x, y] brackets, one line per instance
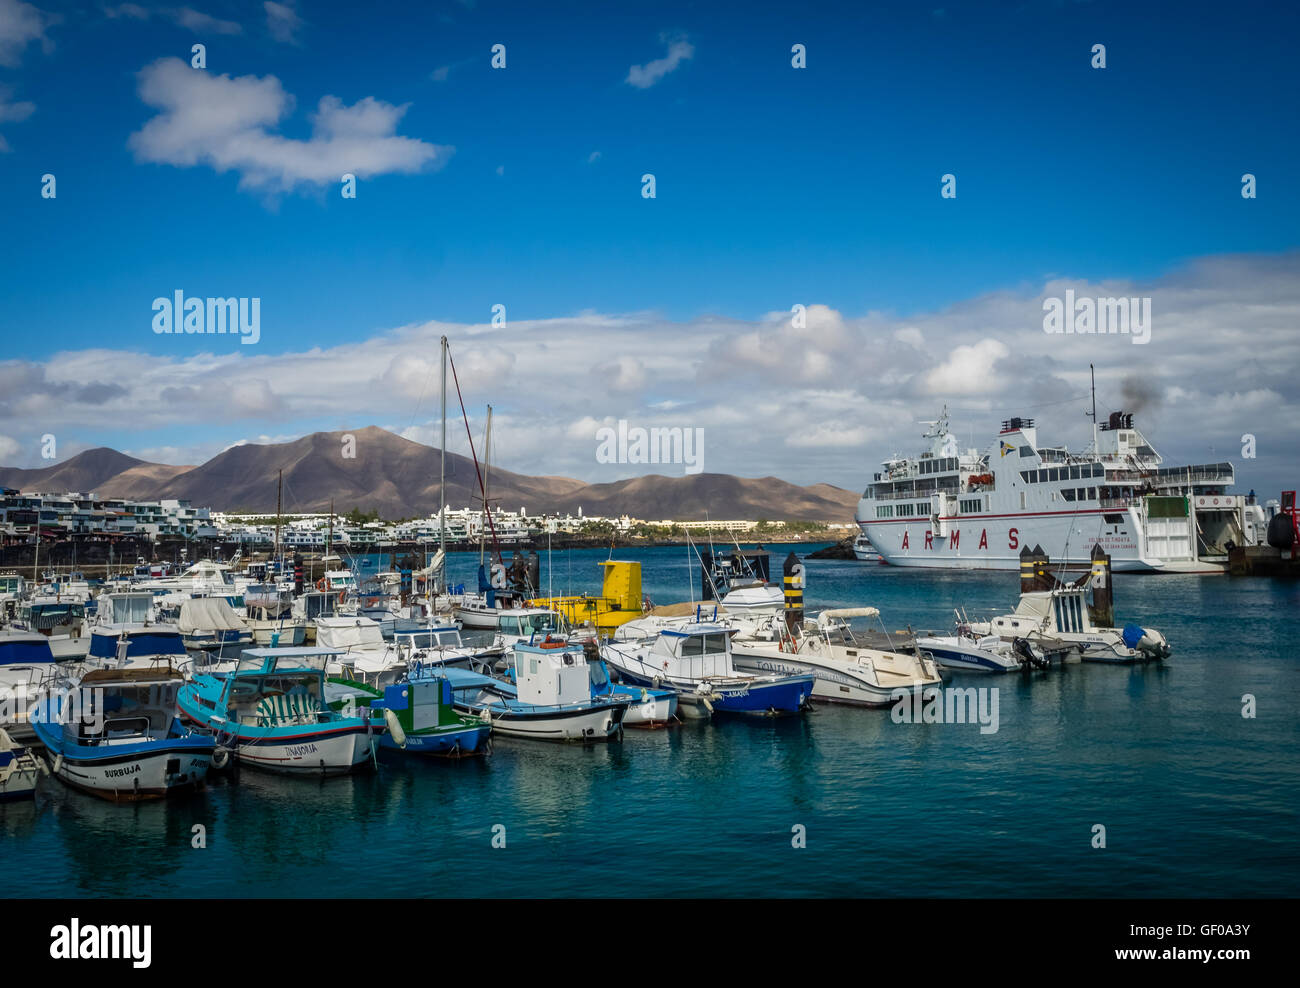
[399, 479]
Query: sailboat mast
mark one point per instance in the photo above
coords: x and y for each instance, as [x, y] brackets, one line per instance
[279, 484]
[442, 482]
[329, 538]
[487, 481]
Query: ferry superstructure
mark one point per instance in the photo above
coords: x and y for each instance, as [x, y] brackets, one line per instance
[947, 509]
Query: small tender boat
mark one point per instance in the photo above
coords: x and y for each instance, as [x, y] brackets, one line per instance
[846, 670]
[740, 582]
[695, 660]
[270, 714]
[865, 551]
[115, 734]
[549, 700]
[19, 770]
[967, 652]
[416, 717]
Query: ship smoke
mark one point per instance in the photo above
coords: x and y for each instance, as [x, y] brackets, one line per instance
[1140, 394]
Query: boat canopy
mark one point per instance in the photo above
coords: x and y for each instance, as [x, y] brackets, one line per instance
[158, 639]
[200, 614]
[264, 661]
[17, 649]
[349, 632]
[126, 608]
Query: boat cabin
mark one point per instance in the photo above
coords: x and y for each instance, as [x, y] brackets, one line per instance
[349, 633]
[525, 622]
[693, 652]
[123, 706]
[116, 642]
[1064, 610]
[551, 672]
[278, 687]
[448, 637]
[126, 608]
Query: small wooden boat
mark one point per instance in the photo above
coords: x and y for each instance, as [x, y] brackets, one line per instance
[19, 770]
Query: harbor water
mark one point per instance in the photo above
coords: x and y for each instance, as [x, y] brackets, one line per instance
[1195, 799]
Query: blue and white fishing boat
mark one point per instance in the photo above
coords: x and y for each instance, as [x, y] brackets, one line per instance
[967, 652]
[647, 706]
[549, 699]
[26, 665]
[694, 659]
[115, 734]
[19, 770]
[270, 712]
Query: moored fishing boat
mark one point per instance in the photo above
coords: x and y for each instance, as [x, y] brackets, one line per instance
[115, 734]
[549, 700]
[415, 717]
[270, 713]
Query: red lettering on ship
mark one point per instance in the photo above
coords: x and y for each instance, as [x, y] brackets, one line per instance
[929, 540]
[984, 538]
[954, 539]
[904, 538]
[1012, 541]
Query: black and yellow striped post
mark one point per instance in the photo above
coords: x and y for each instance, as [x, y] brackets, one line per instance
[1103, 606]
[1028, 564]
[792, 576]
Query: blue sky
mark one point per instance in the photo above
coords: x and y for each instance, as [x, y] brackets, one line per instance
[775, 186]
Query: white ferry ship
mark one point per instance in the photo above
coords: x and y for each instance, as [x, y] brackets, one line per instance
[951, 510]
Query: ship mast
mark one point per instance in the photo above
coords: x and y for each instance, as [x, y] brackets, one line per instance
[1093, 374]
[442, 482]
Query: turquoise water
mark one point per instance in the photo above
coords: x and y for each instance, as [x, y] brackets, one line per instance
[1196, 800]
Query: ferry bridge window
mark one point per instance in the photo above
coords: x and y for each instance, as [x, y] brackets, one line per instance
[1026, 451]
[1068, 493]
[1092, 493]
[1074, 473]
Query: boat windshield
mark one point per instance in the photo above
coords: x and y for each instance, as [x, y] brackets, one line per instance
[713, 643]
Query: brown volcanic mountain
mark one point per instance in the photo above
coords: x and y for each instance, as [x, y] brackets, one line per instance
[399, 479]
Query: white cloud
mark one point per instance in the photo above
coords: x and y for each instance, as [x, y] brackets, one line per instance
[229, 124]
[201, 23]
[9, 449]
[825, 403]
[645, 76]
[593, 157]
[969, 370]
[282, 21]
[12, 112]
[20, 25]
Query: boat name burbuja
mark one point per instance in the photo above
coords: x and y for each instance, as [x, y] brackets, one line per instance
[236, 316]
[91, 942]
[654, 445]
[950, 705]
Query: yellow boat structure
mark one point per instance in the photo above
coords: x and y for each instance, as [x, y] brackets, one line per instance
[619, 602]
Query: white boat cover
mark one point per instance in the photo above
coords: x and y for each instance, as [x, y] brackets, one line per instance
[349, 632]
[839, 613]
[200, 614]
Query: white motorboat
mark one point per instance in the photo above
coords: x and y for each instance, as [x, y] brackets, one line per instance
[360, 651]
[1060, 617]
[695, 659]
[865, 551]
[846, 670]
